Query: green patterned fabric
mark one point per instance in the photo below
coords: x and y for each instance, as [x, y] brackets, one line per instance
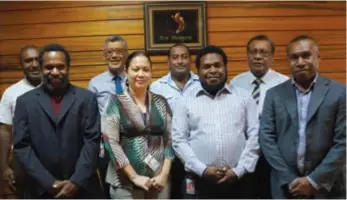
[128, 140]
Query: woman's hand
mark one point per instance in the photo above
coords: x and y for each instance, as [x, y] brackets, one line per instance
[143, 182]
[159, 182]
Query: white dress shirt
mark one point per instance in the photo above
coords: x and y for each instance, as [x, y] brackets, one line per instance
[220, 130]
[269, 80]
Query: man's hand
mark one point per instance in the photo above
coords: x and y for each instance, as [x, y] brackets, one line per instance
[65, 188]
[9, 177]
[213, 173]
[301, 187]
[229, 175]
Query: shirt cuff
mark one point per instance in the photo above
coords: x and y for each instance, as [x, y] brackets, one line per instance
[313, 183]
[197, 167]
[239, 171]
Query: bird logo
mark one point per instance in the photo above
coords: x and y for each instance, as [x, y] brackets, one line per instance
[179, 21]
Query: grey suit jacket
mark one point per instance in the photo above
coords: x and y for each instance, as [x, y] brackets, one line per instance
[325, 155]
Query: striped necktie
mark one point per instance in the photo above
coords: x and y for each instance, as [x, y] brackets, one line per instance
[256, 90]
[118, 82]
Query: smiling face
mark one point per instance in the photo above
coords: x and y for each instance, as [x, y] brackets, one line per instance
[303, 57]
[212, 72]
[260, 57]
[139, 72]
[55, 70]
[29, 60]
[115, 54]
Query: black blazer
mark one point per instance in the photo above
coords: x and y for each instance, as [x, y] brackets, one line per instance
[50, 147]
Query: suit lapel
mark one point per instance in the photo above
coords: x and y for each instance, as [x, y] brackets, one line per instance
[290, 101]
[45, 103]
[319, 91]
[67, 102]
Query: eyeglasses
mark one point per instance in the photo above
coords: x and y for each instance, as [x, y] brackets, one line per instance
[109, 52]
[261, 52]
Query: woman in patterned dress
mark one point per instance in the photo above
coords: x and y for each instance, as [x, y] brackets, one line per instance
[137, 134]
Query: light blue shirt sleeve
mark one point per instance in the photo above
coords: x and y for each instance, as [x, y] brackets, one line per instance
[313, 183]
[180, 135]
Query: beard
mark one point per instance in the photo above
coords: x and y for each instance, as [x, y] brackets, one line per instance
[56, 89]
[213, 89]
[180, 75]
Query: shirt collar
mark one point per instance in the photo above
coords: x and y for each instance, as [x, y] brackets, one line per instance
[167, 78]
[226, 89]
[309, 88]
[25, 80]
[268, 76]
[111, 76]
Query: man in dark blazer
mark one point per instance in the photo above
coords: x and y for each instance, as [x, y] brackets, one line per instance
[56, 133]
[303, 129]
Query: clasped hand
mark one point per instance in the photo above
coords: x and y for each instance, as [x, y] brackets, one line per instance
[219, 174]
[64, 189]
[158, 182]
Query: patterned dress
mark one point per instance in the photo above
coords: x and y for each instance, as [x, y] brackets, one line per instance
[129, 136]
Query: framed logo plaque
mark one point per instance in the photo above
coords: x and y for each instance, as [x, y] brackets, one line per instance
[169, 23]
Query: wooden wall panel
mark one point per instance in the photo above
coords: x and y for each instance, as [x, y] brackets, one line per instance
[82, 26]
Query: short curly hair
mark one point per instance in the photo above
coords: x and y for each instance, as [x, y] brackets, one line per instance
[210, 49]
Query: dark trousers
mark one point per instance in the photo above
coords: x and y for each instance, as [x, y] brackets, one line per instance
[177, 179]
[261, 179]
[204, 189]
[102, 167]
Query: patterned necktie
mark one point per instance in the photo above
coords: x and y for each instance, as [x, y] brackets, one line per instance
[118, 82]
[256, 90]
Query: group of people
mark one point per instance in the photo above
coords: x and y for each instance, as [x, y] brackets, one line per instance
[186, 135]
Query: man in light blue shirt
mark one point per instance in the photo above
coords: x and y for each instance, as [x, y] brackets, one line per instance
[110, 82]
[173, 86]
[113, 80]
[180, 79]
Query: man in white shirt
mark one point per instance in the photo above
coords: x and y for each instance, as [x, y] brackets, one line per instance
[32, 78]
[260, 78]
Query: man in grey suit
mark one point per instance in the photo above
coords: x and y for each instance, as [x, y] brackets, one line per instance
[303, 129]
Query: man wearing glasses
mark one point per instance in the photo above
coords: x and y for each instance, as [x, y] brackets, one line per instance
[110, 82]
[260, 78]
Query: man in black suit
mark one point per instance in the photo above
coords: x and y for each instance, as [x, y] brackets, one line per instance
[56, 134]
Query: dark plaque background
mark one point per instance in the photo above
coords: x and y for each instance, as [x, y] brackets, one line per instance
[165, 27]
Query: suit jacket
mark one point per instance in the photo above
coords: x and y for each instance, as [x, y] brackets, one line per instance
[51, 147]
[325, 154]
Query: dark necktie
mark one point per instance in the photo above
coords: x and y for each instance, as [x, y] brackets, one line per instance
[118, 82]
[256, 90]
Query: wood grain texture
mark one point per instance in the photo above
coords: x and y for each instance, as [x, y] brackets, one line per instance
[72, 29]
[223, 39]
[82, 27]
[276, 9]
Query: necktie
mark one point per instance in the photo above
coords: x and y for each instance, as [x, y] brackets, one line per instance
[118, 82]
[256, 90]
